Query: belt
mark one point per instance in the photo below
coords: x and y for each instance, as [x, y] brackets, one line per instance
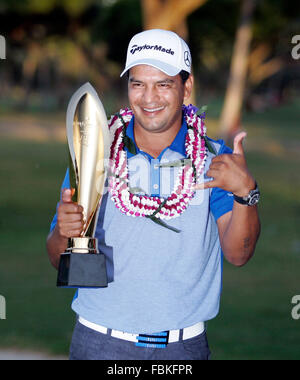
[156, 340]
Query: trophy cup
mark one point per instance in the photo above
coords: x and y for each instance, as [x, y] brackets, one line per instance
[82, 265]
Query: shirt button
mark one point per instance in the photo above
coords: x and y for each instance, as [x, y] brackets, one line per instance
[155, 187]
[156, 166]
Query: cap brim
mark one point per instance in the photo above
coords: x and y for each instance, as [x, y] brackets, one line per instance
[164, 67]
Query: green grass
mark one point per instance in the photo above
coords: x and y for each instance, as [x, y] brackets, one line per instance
[255, 315]
[38, 316]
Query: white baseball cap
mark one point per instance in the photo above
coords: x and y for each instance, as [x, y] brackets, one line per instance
[159, 48]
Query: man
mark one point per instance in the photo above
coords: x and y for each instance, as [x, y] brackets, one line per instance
[165, 277]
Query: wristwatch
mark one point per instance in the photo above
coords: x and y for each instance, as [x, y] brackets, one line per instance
[251, 199]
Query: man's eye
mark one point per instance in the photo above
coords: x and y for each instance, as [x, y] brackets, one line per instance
[164, 85]
[137, 84]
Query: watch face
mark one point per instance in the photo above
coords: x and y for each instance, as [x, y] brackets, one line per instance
[254, 199]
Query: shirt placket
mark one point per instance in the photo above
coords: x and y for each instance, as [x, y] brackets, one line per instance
[155, 177]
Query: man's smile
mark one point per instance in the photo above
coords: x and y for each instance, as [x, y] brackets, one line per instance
[152, 111]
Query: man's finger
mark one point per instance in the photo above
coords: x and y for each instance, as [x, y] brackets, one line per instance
[205, 185]
[66, 195]
[72, 226]
[72, 217]
[238, 143]
[213, 172]
[216, 166]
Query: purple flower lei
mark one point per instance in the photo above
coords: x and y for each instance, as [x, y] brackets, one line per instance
[190, 110]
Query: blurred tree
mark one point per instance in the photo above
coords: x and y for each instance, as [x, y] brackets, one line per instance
[115, 25]
[260, 67]
[74, 7]
[51, 48]
[170, 15]
[231, 113]
[272, 75]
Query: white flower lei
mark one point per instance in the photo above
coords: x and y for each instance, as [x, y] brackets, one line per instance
[152, 206]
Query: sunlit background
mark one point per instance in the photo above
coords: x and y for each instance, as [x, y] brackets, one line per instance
[247, 72]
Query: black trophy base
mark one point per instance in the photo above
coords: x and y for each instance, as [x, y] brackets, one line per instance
[82, 270]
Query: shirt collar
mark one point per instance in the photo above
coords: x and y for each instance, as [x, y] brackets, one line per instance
[178, 144]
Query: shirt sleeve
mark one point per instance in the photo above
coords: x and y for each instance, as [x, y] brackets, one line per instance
[221, 201]
[65, 185]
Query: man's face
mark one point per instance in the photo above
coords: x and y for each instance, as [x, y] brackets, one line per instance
[156, 98]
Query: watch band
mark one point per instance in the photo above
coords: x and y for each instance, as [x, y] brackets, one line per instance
[251, 199]
[240, 200]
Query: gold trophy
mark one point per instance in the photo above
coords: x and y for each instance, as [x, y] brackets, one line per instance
[82, 265]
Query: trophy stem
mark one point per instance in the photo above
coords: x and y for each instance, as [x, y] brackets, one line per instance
[82, 245]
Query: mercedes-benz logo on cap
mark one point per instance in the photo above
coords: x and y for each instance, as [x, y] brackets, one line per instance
[187, 58]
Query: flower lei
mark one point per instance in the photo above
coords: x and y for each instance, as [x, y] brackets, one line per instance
[154, 207]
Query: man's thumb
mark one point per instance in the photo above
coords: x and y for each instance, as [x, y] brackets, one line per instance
[238, 143]
[66, 195]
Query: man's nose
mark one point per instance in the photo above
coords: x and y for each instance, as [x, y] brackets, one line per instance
[150, 95]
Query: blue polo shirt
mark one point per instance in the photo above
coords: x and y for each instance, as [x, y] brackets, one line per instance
[158, 279]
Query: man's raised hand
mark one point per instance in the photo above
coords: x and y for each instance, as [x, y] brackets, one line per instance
[229, 171]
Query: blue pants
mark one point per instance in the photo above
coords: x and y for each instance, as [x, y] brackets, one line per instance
[88, 344]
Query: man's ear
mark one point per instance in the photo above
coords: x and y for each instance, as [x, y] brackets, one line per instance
[188, 87]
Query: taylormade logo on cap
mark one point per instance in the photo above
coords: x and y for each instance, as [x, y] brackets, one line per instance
[154, 47]
[159, 48]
